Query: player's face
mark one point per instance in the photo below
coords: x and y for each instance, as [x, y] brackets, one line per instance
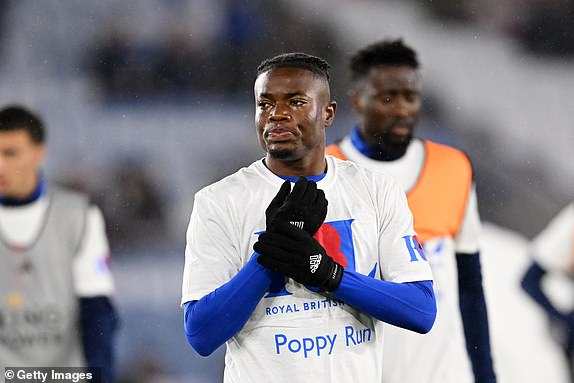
[20, 161]
[388, 103]
[292, 110]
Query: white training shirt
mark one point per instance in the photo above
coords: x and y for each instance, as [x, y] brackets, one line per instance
[302, 336]
[553, 248]
[439, 356]
[92, 276]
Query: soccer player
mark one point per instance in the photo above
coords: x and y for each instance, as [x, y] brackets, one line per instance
[386, 96]
[55, 283]
[297, 280]
[553, 253]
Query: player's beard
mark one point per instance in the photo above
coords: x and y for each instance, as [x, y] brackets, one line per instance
[390, 141]
[281, 154]
[390, 146]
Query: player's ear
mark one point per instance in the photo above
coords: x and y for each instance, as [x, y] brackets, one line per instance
[329, 113]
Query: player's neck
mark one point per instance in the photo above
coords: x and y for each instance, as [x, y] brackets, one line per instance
[307, 166]
[27, 197]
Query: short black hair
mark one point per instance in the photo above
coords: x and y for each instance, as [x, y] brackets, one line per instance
[16, 117]
[386, 52]
[296, 60]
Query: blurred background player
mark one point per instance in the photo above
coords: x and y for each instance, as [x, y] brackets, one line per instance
[55, 281]
[310, 302]
[386, 96]
[482, 91]
[553, 253]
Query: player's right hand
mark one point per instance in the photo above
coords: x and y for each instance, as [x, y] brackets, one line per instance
[296, 254]
[305, 207]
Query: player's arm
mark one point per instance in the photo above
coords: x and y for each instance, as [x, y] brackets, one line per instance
[551, 250]
[94, 287]
[410, 305]
[472, 302]
[98, 320]
[219, 315]
[405, 296]
[532, 284]
[474, 316]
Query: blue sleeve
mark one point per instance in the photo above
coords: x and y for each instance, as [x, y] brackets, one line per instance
[474, 317]
[532, 285]
[409, 305]
[215, 318]
[98, 322]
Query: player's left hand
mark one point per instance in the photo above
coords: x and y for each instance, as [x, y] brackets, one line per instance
[296, 254]
[305, 206]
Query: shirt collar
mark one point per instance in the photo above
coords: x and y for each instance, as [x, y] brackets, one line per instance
[36, 194]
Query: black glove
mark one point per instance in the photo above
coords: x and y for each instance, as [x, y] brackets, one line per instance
[277, 202]
[293, 252]
[305, 207]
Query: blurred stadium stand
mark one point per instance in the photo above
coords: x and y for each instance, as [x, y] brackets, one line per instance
[167, 85]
